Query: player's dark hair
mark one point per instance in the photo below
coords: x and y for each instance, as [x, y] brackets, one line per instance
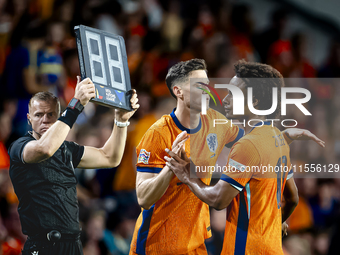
[46, 97]
[269, 78]
[181, 71]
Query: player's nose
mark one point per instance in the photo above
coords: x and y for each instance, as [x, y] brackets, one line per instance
[226, 100]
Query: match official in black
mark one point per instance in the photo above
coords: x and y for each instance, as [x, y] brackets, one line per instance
[42, 170]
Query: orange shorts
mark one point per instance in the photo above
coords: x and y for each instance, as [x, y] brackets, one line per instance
[199, 251]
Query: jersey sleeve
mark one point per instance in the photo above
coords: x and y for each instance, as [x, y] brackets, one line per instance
[230, 132]
[233, 134]
[77, 152]
[242, 158]
[290, 174]
[151, 152]
[16, 149]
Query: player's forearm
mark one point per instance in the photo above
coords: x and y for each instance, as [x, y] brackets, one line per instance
[288, 209]
[288, 139]
[291, 197]
[149, 191]
[208, 194]
[115, 145]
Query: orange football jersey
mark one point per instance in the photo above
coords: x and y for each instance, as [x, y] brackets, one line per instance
[258, 166]
[178, 222]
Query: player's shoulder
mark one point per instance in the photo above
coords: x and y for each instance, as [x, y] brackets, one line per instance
[160, 128]
[247, 143]
[213, 114]
[161, 124]
[246, 140]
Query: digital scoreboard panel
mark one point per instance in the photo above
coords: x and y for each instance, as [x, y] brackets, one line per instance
[103, 59]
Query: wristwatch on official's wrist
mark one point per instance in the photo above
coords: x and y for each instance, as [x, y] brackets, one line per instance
[75, 104]
[122, 124]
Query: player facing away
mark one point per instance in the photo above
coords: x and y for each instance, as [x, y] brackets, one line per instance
[173, 220]
[253, 199]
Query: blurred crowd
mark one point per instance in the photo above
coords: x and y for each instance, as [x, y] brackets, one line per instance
[38, 53]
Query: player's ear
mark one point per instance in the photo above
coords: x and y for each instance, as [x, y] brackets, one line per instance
[255, 102]
[28, 120]
[177, 91]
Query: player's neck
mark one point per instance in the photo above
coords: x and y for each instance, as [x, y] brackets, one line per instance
[255, 119]
[187, 118]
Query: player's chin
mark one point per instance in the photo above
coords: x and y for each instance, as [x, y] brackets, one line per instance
[43, 130]
[195, 108]
[229, 114]
[232, 117]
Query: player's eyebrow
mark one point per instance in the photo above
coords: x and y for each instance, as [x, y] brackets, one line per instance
[202, 83]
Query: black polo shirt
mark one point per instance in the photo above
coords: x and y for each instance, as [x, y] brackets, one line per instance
[46, 190]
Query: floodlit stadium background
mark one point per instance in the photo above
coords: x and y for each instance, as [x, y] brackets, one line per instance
[300, 38]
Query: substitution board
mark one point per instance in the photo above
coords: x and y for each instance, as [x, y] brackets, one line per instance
[103, 59]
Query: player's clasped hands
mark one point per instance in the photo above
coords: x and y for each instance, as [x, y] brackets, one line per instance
[179, 162]
[179, 144]
[84, 91]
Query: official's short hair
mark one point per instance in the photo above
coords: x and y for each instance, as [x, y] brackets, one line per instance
[46, 97]
[181, 71]
[268, 78]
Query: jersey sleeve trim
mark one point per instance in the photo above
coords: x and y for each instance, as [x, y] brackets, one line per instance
[232, 182]
[238, 137]
[154, 170]
[290, 174]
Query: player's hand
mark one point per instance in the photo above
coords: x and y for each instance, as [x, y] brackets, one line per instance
[180, 166]
[124, 116]
[302, 134]
[179, 144]
[284, 229]
[85, 90]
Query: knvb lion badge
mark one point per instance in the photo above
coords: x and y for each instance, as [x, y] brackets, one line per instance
[103, 59]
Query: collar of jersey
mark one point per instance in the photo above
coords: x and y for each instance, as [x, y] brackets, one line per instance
[267, 123]
[180, 126]
[31, 134]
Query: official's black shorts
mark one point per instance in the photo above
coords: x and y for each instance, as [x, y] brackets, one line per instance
[67, 247]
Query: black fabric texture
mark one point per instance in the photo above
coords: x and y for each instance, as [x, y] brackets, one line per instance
[46, 190]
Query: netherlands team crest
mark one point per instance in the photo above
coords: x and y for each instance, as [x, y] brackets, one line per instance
[212, 143]
[143, 156]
